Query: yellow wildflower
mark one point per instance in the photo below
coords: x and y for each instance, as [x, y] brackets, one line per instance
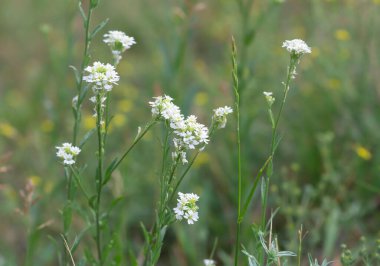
[342, 35]
[363, 153]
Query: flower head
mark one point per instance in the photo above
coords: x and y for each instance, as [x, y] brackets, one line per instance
[208, 262]
[297, 47]
[187, 207]
[101, 76]
[163, 107]
[67, 152]
[220, 116]
[188, 133]
[269, 97]
[118, 41]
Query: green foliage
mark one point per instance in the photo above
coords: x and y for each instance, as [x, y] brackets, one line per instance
[324, 174]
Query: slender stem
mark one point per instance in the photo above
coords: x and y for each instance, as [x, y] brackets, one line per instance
[253, 188]
[300, 246]
[77, 113]
[79, 182]
[237, 112]
[291, 68]
[137, 139]
[83, 65]
[99, 176]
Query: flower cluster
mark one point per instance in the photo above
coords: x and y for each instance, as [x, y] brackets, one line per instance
[102, 77]
[68, 152]
[187, 207]
[269, 97]
[118, 41]
[297, 47]
[220, 116]
[208, 262]
[188, 133]
[165, 108]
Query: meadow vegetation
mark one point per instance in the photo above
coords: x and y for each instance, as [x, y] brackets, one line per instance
[189, 132]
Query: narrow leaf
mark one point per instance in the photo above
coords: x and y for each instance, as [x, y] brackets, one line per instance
[84, 17]
[78, 239]
[86, 137]
[76, 74]
[109, 171]
[99, 27]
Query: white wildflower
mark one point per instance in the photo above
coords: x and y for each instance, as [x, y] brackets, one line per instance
[165, 108]
[188, 133]
[208, 262]
[102, 77]
[220, 116]
[67, 152]
[269, 97]
[191, 133]
[118, 41]
[297, 47]
[187, 208]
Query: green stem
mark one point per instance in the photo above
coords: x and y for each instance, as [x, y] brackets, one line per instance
[291, 68]
[83, 65]
[99, 175]
[77, 113]
[237, 112]
[79, 182]
[137, 139]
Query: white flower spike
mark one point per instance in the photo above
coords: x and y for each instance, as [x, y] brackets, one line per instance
[220, 116]
[102, 77]
[187, 207]
[118, 41]
[67, 152]
[297, 47]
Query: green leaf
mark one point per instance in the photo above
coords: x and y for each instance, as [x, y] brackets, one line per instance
[86, 137]
[84, 17]
[145, 233]
[132, 258]
[76, 74]
[90, 258]
[263, 189]
[58, 249]
[83, 93]
[92, 201]
[94, 3]
[67, 217]
[109, 171]
[99, 27]
[270, 168]
[78, 239]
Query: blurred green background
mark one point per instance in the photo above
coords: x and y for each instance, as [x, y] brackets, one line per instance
[327, 165]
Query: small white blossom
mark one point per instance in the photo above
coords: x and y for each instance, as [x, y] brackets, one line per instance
[67, 152]
[187, 208]
[269, 97]
[165, 108]
[220, 116]
[188, 133]
[296, 46]
[118, 41]
[191, 133]
[208, 262]
[102, 77]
